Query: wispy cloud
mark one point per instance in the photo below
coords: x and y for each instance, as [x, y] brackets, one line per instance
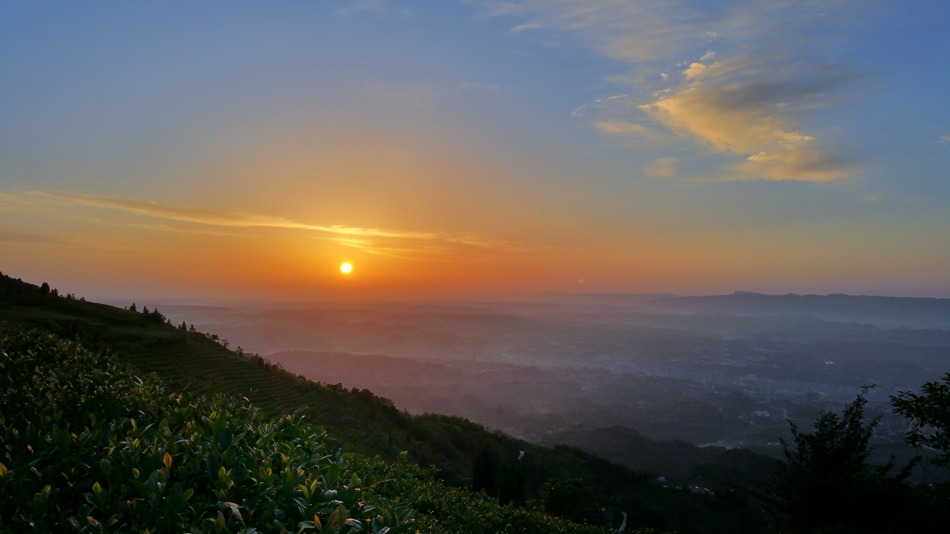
[744, 95]
[220, 218]
[631, 131]
[524, 27]
[620, 127]
[718, 108]
[944, 139]
[375, 240]
[664, 168]
[626, 30]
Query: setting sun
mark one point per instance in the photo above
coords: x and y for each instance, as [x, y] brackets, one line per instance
[346, 268]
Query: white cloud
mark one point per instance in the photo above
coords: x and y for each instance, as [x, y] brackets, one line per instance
[944, 139]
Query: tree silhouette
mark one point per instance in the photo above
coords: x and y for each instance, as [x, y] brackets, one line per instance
[930, 417]
[825, 483]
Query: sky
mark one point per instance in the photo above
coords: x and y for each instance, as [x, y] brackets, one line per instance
[462, 149]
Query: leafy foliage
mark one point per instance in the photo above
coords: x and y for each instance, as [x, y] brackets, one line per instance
[826, 484]
[88, 446]
[929, 413]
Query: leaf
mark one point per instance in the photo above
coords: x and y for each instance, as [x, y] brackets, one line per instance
[212, 466]
[3, 470]
[333, 473]
[167, 460]
[235, 511]
[224, 438]
[96, 488]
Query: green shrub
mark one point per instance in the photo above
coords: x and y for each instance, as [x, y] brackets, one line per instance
[88, 446]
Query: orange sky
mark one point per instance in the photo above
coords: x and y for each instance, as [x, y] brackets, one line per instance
[463, 150]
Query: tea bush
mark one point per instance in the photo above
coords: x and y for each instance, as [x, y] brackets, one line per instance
[89, 446]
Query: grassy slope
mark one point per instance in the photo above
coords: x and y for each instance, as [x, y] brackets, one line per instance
[369, 424]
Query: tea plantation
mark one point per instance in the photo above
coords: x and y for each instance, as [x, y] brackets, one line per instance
[89, 445]
[400, 462]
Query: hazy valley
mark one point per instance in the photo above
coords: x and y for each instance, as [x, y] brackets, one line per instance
[601, 372]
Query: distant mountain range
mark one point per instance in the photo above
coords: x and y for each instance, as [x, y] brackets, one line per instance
[912, 312]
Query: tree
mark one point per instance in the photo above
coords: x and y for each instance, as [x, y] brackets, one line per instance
[929, 413]
[132, 307]
[826, 484]
[44, 289]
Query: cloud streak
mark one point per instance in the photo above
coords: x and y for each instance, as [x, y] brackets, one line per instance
[373, 240]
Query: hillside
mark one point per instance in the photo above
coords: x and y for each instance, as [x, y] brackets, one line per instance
[369, 425]
[91, 445]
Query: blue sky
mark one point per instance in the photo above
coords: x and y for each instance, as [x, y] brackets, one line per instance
[695, 147]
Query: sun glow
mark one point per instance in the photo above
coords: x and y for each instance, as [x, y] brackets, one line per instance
[346, 268]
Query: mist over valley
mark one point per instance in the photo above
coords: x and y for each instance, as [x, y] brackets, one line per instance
[603, 372]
